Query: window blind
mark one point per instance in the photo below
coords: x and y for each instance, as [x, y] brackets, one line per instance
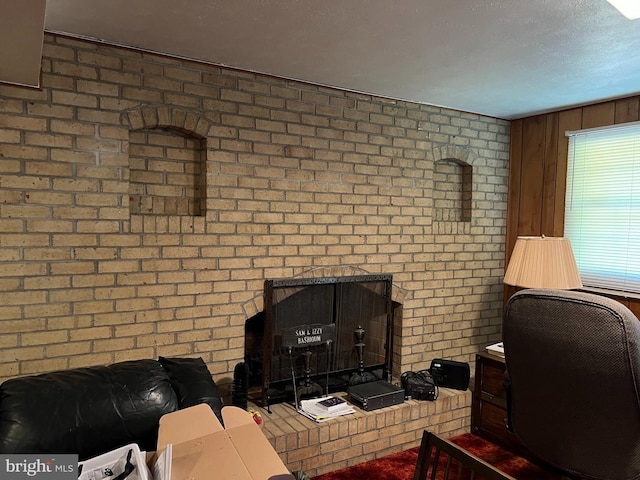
[602, 215]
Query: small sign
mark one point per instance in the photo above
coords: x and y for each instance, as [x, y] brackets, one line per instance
[39, 467]
[308, 335]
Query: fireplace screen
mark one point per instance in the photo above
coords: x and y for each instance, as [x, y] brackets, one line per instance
[319, 335]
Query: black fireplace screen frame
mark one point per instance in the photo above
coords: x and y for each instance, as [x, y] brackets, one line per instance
[348, 302]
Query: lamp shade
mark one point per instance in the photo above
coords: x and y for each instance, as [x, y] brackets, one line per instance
[543, 262]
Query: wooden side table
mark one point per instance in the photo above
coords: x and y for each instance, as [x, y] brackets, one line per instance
[489, 405]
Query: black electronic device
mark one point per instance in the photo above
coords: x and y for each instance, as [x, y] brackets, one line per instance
[450, 374]
[374, 395]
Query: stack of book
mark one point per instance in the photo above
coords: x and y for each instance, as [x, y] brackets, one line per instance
[325, 408]
[496, 349]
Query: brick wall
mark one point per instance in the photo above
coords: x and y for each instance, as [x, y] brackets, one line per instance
[144, 200]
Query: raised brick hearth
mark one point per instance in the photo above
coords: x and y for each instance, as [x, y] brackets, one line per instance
[317, 448]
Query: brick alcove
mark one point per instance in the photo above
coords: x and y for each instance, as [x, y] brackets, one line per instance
[452, 185]
[168, 155]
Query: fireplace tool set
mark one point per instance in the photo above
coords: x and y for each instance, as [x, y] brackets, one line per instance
[361, 376]
[303, 337]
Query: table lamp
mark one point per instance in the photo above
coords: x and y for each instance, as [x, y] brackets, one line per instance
[543, 262]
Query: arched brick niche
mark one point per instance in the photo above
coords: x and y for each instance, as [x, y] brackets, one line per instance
[452, 184]
[167, 161]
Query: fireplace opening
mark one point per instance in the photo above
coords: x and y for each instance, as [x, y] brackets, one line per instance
[319, 335]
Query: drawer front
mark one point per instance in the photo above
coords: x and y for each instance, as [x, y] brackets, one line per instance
[493, 424]
[493, 379]
[492, 417]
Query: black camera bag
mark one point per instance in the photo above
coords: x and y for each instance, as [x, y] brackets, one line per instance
[419, 385]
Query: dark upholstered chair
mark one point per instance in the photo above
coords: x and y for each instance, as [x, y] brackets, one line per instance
[441, 459]
[573, 381]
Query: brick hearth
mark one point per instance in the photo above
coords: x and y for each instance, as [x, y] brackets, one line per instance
[317, 448]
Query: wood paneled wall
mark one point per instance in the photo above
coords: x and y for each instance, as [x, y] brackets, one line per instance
[538, 167]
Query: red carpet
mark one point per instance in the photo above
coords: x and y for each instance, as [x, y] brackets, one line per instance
[400, 466]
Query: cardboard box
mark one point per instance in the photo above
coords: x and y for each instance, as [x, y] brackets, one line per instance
[202, 449]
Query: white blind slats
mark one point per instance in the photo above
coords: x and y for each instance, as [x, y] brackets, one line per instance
[602, 217]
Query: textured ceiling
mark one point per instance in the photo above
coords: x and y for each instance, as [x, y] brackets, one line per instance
[503, 58]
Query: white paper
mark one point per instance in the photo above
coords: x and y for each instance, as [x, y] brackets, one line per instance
[162, 465]
[497, 348]
[311, 409]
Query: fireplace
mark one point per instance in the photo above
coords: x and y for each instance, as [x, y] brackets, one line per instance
[326, 332]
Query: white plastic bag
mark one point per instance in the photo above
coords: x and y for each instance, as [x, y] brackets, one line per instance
[124, 463]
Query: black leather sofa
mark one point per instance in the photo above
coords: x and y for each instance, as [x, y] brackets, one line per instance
[93, 410]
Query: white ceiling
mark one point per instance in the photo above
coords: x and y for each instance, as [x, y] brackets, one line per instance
[503, 58]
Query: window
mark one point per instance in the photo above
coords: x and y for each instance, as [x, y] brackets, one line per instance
[602, 216]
